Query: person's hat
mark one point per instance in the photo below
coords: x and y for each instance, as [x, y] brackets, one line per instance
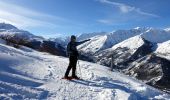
[73, 37]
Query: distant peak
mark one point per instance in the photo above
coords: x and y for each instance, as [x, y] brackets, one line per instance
[7, 26]
[137, 28]
[143, 28]
[167, 29]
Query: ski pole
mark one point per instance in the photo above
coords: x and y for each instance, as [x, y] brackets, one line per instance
[79, 68]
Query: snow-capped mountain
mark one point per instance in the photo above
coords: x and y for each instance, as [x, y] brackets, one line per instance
[167, 29]
[29, 74]
[5, 26]
[61, 40]
[108, 40]
[102, 42]
[84, 36]
[16, 37]
[156, 35]
[10, 31]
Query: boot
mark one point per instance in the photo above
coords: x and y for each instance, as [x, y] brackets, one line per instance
[75, 77]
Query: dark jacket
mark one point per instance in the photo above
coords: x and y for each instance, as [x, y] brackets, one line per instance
[72, 48]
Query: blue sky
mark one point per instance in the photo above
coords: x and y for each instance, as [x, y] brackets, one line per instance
[51, 18]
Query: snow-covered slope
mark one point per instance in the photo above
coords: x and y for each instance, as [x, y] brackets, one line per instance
[163, 49]
[132, 43]
[28, 74]
[97, 43]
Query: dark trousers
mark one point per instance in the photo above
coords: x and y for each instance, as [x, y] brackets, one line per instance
[72, 65]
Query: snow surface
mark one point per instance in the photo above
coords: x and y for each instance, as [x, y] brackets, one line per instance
[163, 50]
[29, 74]
[94, 45]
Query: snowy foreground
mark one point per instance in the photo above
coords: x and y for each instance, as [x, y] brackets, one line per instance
[28, 74]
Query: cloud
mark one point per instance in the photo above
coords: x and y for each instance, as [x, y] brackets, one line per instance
[22, 21]
[124, 8]
[113, 21]
[24, 17]
[104, 21]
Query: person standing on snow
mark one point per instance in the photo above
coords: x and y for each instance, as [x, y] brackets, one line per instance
[73, 54]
